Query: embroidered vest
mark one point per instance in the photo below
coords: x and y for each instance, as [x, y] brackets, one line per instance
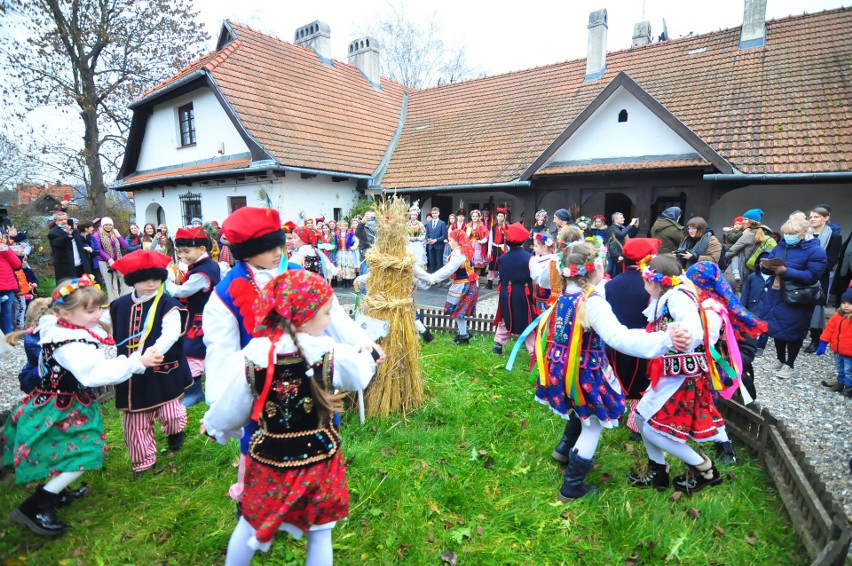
[465, 273]
[58, 384]
[673, 362]
[290, 432]
[193, 346]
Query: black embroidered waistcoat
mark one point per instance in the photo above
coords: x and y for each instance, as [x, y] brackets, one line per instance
[290, 432]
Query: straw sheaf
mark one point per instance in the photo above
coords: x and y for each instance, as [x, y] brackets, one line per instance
[397, 386]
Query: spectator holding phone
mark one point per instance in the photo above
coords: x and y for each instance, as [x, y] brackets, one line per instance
[699, 244]
[619, 233]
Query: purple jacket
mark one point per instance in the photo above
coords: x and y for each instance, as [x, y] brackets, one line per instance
[118, 244]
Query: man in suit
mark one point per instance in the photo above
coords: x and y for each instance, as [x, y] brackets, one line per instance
[69, 251]
[436, 239]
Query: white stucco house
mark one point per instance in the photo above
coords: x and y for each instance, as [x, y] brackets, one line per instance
[756, 116]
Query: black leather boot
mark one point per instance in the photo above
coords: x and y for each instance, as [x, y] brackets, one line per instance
[573, 427]
[428, 336]
[725, 454]
[176, 441]
[577, 470]
[696, 479]
[69, 496]
[490, 284]
[498, 348]
[657, 477]
[462, 339]
[38, 513]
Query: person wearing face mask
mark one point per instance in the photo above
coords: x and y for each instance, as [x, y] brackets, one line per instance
[801, 261]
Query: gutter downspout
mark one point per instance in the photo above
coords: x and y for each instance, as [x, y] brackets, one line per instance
[770, 177]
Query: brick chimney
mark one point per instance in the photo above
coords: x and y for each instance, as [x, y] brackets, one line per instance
[596, 57]
[641, 34]
[316, 36]
[753, 33]
[364, 54]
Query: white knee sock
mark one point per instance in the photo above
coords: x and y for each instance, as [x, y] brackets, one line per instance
[655, 443]
[61, 481]
[723, 436]
[320, 551]
[462, 326]
[590, 434]
[421, 328]
[239, 552]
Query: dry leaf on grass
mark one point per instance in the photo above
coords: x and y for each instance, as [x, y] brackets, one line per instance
[693, 512]
[449, 557]
[719, 531]
[676, 496]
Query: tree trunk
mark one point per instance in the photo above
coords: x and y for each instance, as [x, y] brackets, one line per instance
[96, 191]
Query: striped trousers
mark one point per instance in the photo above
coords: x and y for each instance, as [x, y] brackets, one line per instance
[139, 431]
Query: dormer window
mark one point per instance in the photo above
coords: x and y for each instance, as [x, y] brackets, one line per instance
[186, 118]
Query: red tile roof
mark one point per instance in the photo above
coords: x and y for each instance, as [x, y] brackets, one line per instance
[784, 108]
[223, 165]
[562, 169]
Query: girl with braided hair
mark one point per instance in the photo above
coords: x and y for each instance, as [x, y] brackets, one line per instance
[295, 477]
[575, 378]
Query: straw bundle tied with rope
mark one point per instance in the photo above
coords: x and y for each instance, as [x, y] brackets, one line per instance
[397, 386]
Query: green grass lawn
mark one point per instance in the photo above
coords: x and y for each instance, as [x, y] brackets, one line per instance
[468, 476]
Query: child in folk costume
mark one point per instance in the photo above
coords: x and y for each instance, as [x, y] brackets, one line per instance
[464, 283]
[575, 377]
[477, 232]
[347, 254]
[305, 253]
[544, 270]
[327, 244]
[738, 326]
[57, 431]
[496, 245]
[515, 306]
[284, 378]
[201, 277]
[149, 318]
[678, 405]
[256, 239]
[628, 298]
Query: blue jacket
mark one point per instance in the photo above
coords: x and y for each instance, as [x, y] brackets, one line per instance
[806, 262]
[438, 233]
[754, 291]
[29, 376]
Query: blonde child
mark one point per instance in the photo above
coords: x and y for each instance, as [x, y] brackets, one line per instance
[576, 380]
[57, 432]
[29, 376]
[295, 477]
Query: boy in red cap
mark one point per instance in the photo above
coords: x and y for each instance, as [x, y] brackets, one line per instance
[303, 242]
[149, 318]
[202, 275]
[515, 307]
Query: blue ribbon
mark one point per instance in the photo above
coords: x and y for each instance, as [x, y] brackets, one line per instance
[531, 328]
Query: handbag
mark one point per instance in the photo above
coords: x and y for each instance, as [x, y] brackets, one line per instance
[802, 294]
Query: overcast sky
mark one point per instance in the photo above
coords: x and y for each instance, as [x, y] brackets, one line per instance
[502, 37]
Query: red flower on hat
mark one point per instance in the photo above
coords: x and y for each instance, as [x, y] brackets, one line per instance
[296, 295]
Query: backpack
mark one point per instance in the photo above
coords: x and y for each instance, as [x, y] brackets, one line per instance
[765, 246]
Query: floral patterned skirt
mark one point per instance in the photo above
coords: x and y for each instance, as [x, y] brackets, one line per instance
[302, 497]
[602, 395]
[689, 413]
[461, 299]
[43, 441]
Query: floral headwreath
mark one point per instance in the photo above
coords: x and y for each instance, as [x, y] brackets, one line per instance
[545, 239]
[84, 280]
[654, 277]
[598, 242]
[587, 266]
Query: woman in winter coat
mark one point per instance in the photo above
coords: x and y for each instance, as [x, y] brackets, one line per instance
[831, 242]
[740, 252]
[699, 244]
[9, 262]
[667, 230]
[804, 262]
